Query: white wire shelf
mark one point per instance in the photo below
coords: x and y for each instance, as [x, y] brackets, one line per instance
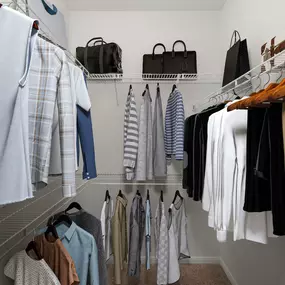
[244, 83]
[164, 78]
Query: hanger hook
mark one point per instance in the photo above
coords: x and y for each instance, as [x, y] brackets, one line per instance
[259, 82]
[281, 74]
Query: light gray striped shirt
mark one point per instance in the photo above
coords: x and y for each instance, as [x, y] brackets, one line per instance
[131, 136]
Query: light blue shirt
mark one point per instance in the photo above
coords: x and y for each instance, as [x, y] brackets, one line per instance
[148, 233]
[83, 250]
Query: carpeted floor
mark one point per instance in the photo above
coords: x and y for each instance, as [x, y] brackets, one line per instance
[191, 274]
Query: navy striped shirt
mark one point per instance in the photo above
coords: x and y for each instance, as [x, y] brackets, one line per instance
[174, 126]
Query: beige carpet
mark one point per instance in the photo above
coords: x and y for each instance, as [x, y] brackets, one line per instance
[191, 274]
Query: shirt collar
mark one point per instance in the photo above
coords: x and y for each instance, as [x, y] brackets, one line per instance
[69, 233]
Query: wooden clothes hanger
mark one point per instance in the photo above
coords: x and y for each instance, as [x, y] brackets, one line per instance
[242, 104]
[147, 195]
[120, 194]
[270, 93]
[262, 97]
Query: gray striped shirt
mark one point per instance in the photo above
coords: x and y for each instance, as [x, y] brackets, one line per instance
[131, 136]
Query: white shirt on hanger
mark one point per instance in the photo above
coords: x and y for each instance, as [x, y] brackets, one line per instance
[81, 98]
[16, 48]
[106, 217]
[25, 270]
[178, 241]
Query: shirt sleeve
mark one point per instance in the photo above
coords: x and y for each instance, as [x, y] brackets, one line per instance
[10, 267]
[66, 128]
[93, 264]
[207, 192]
[179, 142]
[82, 96]
[225, 189]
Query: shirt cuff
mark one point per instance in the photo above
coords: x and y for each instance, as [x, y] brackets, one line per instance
[69, 191]
[222, 236]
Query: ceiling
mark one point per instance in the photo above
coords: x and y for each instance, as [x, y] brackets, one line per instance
[149, 5]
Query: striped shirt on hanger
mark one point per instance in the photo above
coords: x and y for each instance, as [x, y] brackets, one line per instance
[131, 136]
[174, 126]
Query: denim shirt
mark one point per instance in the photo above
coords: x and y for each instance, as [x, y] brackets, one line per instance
[83, 250]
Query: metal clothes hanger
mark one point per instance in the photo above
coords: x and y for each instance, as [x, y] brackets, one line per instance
[259, 82]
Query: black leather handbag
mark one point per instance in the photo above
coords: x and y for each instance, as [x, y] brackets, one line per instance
[237, 61]
[153, 63]
[176, 62]
[101, 58]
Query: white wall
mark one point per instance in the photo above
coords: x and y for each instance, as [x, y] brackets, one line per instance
[136, 33]
[258, 21]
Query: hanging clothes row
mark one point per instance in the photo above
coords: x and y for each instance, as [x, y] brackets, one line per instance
[236, 165]
[68, 251]
[147, 143]
[170, 237]
[39, 133]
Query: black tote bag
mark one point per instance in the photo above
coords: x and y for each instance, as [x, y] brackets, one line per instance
[237, 61]
[153, 63]
[177, 62]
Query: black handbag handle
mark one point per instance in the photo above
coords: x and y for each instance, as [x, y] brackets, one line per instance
[98, 38]
[159, 44]
[185, 49]
[235, 34]
[100, 41]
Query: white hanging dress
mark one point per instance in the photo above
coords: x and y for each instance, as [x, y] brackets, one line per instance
[177, 235]
[17, 38]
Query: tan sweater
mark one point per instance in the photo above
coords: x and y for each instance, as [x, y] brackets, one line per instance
[119, 237]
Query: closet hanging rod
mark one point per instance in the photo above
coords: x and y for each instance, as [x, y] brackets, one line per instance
[200, 78]
[276, 63]
[48, 36]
